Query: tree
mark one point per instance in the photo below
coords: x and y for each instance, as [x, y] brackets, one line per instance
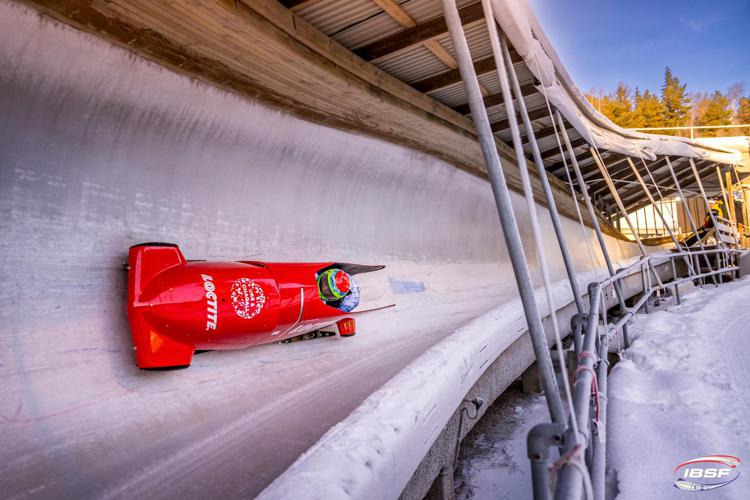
[675, 101]
[742, 116]
[649, 110]
[617, 106]
[717, 112]
[734, 94]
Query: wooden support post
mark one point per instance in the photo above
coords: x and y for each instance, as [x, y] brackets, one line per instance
[730, 198]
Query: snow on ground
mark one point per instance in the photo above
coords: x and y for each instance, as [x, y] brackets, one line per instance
[493, 463]
[682, 391]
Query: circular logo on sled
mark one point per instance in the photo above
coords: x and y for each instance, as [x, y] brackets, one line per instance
[247, 298]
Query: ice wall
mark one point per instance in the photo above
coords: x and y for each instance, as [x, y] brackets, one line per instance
[99, 150]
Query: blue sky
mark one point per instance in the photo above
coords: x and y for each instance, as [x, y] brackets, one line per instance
[601, 42]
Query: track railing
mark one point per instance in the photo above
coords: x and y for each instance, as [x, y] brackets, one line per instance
[580, 469]
[578, 411]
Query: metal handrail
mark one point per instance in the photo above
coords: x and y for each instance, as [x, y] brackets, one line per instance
[573, 472]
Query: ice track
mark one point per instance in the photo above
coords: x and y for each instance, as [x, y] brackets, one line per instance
[100, 150]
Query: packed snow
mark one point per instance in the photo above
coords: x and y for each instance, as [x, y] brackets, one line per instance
[682, 392]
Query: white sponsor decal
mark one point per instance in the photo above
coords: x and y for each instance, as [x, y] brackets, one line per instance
[211, 312]
[248, 298]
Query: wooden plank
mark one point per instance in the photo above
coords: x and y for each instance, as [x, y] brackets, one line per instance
[451, 77]
[540, 134]
[416, 35]
[297, 5]
[536, 114]
[661, 179]
[628, 175]
[441, 53]
[396, 12]
[495, 99]
[640, 203]
[556, 150]
[399, 15]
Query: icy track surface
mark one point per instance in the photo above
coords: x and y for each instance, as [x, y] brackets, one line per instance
[100, 150]
[683, 392]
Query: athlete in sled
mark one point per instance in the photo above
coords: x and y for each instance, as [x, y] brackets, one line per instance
[706, 229]
[176, 306]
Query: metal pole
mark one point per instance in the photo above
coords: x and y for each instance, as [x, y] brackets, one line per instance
[658, 192]
[657, 210]
[598, 464]
[550, 198]
[674, 277]
[595, 222]
[611, 185]
[644, 285]
[689, 215]
[541, 438]
[719, 241]
[570, 480]
[505, 211]
[618, 201]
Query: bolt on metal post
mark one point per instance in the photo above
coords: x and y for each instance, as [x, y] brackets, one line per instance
[541, 439]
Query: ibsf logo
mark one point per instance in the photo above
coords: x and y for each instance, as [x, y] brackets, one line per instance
[706, 473]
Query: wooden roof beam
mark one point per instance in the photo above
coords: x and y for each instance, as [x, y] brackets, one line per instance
[297, 5]
[418, 34]
[667, 176]
[453, 76]
[636, 205]
[556, 150]
[628, 174]
[496, 99]
[580, 158]
[536, 114]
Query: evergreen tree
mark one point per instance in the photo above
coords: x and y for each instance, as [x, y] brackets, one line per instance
[742, 116]
[717, 112]
[675, 101]
[649, 110]
[617, 106]
[621, 107]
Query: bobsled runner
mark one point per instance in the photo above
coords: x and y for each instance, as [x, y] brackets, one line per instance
[176, 306]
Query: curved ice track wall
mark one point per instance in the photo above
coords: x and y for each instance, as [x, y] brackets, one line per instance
[99, 150]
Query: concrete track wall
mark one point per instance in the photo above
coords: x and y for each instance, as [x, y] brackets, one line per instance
[100, 150]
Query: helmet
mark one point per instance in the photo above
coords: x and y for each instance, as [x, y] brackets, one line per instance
[334, 284]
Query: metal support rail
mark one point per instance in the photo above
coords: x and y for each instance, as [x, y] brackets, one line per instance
[505, 211]
[579, 434]
[590, 380]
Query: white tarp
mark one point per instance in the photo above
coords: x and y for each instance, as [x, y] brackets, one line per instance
[523, 30]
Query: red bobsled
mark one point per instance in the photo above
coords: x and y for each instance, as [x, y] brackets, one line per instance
[176, 306]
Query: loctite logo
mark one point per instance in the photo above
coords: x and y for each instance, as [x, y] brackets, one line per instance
[706, 473]
[211, 312]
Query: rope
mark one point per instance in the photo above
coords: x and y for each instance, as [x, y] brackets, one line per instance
[570, 182]
[530, 203]
[547, 285]
[573, 458]
[594, 386]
